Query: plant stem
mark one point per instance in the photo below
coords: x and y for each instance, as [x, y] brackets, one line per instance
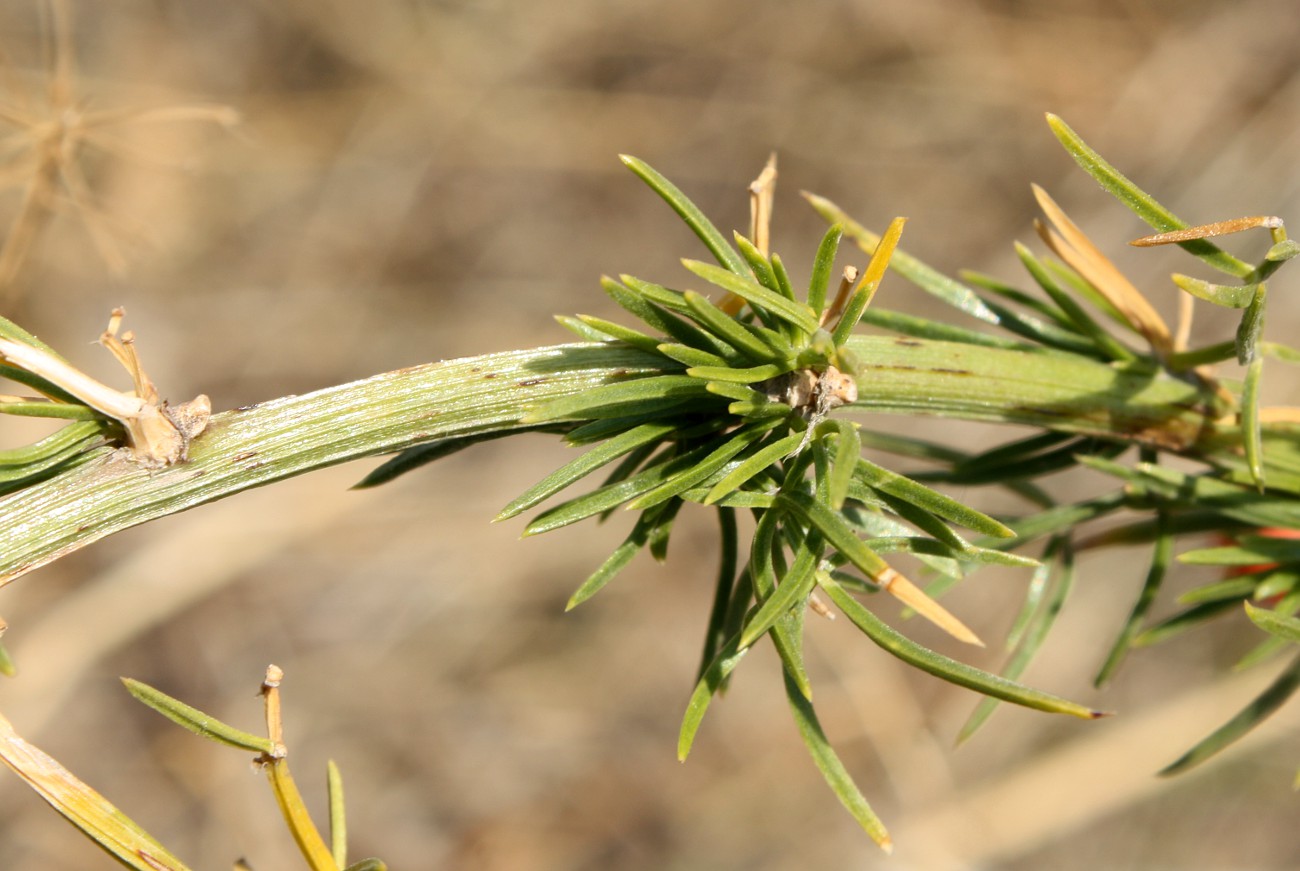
[257, 445]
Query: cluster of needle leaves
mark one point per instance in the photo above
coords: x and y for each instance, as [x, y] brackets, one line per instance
[1238, 478]
[739, 407]
[739, 415]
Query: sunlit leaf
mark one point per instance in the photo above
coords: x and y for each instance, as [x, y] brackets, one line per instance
[1224, 295]
[823, 266]
[196, 721]
[944, 667]
[931, 500]
[690, 213]
[699, 472]
[791, 311]
[1286, 628]
[1139, 201]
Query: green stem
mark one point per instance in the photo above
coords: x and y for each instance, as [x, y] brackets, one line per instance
[253, 446]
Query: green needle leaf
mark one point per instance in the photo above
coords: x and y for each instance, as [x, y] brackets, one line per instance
[758, 264]
[794, 588]
[66, 448]
[1273, 644]
[829, 764]
[1263, 706]
[1085, 323]
[614, 494]
[932, 501]
[1224, 295]
[584, 465]
[737, 376]
[582, 330]
[616, 561]
[765, 574]
[716, 633]
[730, 330]
[1139, 201]
[1132, 629]
[782, 277]
[1019, 297]
[842, 537]
[924, 328]
[942, 666]
[13, 332]
[629, 336]
[1243, 504]
[1286, 628]
[690, 213]
[848, 450]
[663, 321]
[701, 471]
[1177, 624]
[753, 465]
[1251, 436]
[823, 265]
[1035, 634]
[713, 679]
[759, 297]
[48, 408]
[691, 356]
[196, 721]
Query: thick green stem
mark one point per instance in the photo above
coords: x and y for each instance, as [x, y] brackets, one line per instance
[252, 446]
[1056, 391]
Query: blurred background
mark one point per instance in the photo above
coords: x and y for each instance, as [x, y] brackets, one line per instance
[289, 195]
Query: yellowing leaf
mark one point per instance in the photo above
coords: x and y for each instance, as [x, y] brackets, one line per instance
[85, 808]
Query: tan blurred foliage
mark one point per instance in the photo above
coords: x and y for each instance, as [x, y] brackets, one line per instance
[414, 180]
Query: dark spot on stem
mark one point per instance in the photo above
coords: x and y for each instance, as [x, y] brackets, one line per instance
[246, 455]
[908, 343]
[532, 382]
[1045, 412]
[953, 371]
[490, 375]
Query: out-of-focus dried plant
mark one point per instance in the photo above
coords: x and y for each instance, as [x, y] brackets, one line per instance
[44, 157]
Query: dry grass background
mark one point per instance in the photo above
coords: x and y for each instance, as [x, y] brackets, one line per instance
[421, 180]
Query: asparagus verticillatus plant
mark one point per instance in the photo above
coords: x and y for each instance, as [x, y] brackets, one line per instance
[740, 404]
